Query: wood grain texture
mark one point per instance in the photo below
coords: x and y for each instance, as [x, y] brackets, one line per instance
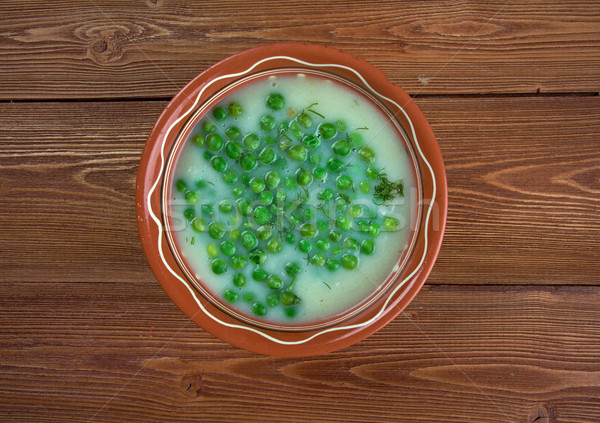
[523, 175]
[124, 49]
[106, 352]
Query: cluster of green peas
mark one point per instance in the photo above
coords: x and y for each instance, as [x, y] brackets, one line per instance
[270, 205]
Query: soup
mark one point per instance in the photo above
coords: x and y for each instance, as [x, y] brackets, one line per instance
[292, 199]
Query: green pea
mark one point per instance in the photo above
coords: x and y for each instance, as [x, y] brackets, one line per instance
[212, 250]
[292, 268]
[326, 195]
[327, 131]
[180, 185]
[249, 240]
[259, 309]
[274, 246]
[273, 299]
[323, 225]
[189, 214]
[304, 246]
[303, 177]
[199, 225]
[201, 184]
[230, 296]
[336, 250]
[272, 179]
[252, 141]
[246, 179]
[289, 298]
[207, 209]
[304, 119]
[216, 230]
[219, 113]
[229, 177]
[341, 147]
[237, 191]
[351, 244]
[334, 236]
[322, 244]
[356, 140]
[374, 229]
[340, 125]
[390, 224]
[214, 142]
[274, 282]
[219, 266]
[257, 256]
[341, 204]
[234, 109]
[226, 206]
[233, 133]
[296, 129]
[332, 265]
[192, 197]
[275, 101]
[308, 213]
[364, 187]
[355, 210]
[199, 139]
[207, 155]
[233, 149]
[261, 215]
[362, 226]
[228, 248]
[335, 165]
[249, 296]
[297, 153]
[257, 185]
[280, 196]
[269, 139]
[318, 259]
[259, 274]
[290, 183]
[290, 238]
[367, 247]
[218, 163]
[247, 161]
[344, 223]
[319, 173]
[344, 182]
[264, 232]
[239, 280]
[237, 261]
[267, 122]
[267, 155]
[367, 155]
[372, 173]
[311, 142]
[284, 143]
[308, 230]
[349, 261]
[208, 126]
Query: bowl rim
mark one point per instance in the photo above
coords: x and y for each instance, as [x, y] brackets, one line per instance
[150, 225]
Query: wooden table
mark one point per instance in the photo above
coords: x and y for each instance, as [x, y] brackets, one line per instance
[506, 328]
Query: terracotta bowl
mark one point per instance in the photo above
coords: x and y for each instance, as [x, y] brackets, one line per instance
[189, 293]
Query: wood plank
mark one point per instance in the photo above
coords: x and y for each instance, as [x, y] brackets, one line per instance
[524, 189]
[123, 352]
[123, 49]
[523, 181]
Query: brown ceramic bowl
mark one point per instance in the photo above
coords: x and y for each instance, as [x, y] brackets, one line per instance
[391, 295]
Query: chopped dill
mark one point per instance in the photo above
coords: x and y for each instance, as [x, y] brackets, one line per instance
[309, 108]
[326, 284]
[386, 190]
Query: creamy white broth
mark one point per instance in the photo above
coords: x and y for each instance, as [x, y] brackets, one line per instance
[322, 293]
